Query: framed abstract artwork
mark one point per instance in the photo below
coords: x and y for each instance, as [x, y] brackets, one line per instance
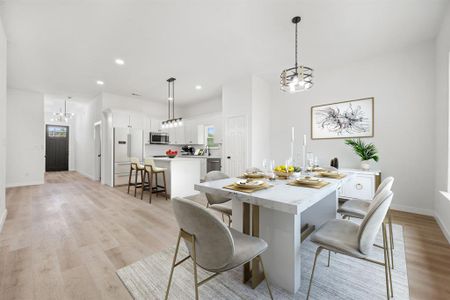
[347, 119]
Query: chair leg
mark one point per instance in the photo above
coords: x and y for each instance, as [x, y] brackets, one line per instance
[135, 182]
[329, 258]
[129, 180]
[173, 266]
[150, 176]
[165, 185]
[265, 276]
[229, 221]
[391, 238]
[386, 260]
[194, 258]
[312, 272]
[143, 175]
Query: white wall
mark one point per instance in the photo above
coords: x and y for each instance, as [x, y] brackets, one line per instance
[261, 98]
[86, 115]
[209, 106]
[155, 109]
[403, 86]
[441, 203]
[249, 96]
[2, 125]
[25, 164]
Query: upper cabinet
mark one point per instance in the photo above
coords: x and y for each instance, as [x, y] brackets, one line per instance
[125, 119]
[177, 135]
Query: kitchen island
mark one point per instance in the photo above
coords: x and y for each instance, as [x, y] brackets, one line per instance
[182, 174]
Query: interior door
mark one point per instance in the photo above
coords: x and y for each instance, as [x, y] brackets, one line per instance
[56, 148]
[235, 145]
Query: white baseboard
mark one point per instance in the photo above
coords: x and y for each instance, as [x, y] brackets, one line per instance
[443, 227]
[17, 184]
[3, 219]
[414, 210]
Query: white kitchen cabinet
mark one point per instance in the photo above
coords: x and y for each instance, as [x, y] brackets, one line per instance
[201, 140]
[123, 119]
[120, 119]
[155, 125]
[176, 135]
[361, 186]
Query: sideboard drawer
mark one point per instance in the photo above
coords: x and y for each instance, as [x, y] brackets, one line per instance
[359, 187]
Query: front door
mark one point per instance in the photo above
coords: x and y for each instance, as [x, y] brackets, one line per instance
[56, 148]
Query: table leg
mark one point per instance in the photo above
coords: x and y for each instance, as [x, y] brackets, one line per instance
[252, 270]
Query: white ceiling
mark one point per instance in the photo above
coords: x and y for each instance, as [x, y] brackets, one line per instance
[63, 47]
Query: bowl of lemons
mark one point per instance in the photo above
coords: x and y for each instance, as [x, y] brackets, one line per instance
[283, 171]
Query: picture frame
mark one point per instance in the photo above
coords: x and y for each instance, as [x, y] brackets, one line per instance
[343, 120]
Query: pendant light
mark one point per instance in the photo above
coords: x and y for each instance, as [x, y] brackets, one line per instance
[297, 78]
[63, 116]
[171, 120]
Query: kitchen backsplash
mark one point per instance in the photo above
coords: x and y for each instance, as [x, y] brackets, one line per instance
[151, 150]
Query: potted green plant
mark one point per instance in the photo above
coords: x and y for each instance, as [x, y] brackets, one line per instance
[366, 151]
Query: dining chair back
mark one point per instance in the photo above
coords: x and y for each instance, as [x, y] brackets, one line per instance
[215, 199]
[214, 247]
[372, 222]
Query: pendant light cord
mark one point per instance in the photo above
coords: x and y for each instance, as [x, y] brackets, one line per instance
[296, 46]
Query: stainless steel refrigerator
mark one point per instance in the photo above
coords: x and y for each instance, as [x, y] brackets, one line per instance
[128, 142]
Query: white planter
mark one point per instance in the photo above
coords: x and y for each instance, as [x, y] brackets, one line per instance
[365, 165]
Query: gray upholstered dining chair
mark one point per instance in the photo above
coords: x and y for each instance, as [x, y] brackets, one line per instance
[211, 244]
[359, 208]
[219, 203]
[348, 238]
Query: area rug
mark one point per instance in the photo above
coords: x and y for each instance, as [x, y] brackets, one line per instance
[346, 278]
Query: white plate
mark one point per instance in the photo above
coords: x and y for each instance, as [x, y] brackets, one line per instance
[252, 183]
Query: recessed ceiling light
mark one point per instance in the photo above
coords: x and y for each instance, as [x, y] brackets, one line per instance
[99, 82]
[198, 87]
[119, 61]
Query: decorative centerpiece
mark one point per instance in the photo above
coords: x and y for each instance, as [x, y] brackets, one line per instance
[366, 151]
[283, 171]
[171, 154]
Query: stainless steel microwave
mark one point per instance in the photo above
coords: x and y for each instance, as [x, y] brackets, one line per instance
[159, 138]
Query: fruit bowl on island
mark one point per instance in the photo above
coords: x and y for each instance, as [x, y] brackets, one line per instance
[171, 153]
[283, 172]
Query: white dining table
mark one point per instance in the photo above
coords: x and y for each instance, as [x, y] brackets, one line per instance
[279, 215]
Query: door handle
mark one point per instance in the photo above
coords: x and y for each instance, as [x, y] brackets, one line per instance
[228, 157]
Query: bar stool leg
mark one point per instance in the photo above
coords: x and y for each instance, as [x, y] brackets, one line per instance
[165, 186]
[143, 184]
[135, 181]
[150, 186]
[129, 179]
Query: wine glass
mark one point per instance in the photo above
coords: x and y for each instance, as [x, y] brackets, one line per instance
[271, 173]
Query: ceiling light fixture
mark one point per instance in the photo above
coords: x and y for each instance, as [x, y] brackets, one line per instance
[297, 78]
[171, 120]
[63, 116]
[119, 61]
[99, 82]
[198, 87]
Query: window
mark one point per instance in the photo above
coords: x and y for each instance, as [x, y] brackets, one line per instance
[57, 131]
[210, 134]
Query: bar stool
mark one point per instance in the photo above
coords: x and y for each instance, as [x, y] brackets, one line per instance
[138, 170]
[150, 170]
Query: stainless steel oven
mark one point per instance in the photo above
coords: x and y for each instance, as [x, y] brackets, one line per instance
[159, 138]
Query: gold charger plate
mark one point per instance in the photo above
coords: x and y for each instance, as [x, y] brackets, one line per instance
[316, 185]
[249, 190]
[331, 175]
[254, 175]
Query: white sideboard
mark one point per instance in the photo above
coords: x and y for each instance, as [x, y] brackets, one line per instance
[361, 186]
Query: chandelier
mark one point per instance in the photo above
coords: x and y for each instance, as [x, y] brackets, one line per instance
[297, 78]
[63, 116]
[171, 120]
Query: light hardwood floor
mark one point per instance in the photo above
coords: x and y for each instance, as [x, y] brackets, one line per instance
[65, 240]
